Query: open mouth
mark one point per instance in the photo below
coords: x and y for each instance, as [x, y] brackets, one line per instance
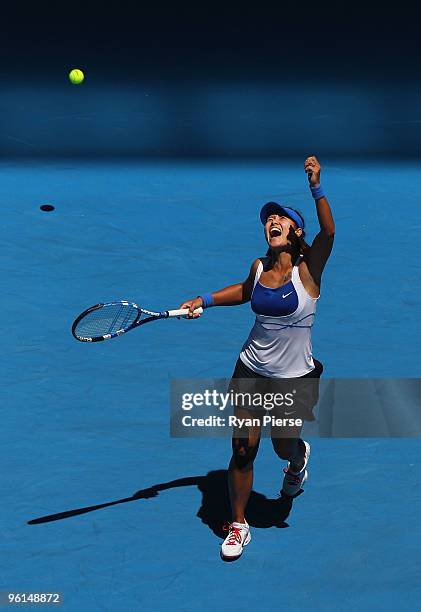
[275, 231]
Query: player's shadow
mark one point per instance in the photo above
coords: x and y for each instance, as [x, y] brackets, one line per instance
[214, 510]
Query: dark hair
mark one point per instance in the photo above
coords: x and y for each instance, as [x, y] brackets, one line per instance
[301, 239]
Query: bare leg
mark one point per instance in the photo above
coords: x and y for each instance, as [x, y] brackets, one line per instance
[240, 483]
[291, 450]
[240, 471]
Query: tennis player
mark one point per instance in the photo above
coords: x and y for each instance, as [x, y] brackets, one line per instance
[283, 288]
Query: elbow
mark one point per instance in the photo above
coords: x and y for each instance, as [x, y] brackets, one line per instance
[329, 232]
[245, 294]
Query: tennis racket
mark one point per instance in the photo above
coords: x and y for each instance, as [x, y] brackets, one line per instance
[105, 321]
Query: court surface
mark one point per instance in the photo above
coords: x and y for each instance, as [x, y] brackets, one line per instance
[125, 517]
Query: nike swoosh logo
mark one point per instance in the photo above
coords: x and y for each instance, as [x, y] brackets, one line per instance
[284, 296]
[288, 413]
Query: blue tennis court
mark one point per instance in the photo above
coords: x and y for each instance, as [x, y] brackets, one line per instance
[99, 502]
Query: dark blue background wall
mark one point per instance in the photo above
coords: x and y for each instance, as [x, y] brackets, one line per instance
[205, 81]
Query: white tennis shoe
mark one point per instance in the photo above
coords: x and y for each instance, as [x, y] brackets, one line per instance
[238, 537]
[292, 481]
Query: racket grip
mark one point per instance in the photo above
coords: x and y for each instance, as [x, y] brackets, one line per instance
[182, 312]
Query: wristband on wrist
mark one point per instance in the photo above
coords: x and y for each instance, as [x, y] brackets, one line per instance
[317, 191]
[207, 299]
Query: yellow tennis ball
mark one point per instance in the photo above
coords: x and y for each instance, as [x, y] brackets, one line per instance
[76, 76]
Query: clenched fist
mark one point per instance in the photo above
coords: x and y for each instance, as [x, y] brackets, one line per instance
[312, 167]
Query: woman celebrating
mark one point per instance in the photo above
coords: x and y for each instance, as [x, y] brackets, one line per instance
[283, 288]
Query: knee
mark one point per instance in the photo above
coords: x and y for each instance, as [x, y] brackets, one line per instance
[244, 452]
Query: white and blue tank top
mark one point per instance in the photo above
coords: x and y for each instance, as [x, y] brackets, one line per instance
[279, 344]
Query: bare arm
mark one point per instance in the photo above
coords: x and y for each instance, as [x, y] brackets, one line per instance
[240, 293]
[232, 295]
[321, 247]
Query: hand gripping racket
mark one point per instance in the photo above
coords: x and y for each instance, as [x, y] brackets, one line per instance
[105, 321]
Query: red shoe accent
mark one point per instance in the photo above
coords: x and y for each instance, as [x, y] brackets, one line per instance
[235, 536]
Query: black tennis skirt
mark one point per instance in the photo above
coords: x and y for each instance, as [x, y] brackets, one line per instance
[297, 396]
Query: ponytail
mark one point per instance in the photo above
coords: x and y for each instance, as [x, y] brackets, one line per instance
[304, 247]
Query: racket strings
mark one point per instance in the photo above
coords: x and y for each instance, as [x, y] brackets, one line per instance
[106, 320]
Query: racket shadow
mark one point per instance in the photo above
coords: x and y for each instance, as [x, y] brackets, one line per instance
[215, 507]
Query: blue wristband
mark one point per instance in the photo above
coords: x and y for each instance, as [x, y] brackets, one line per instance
[317, 192]
[207, 299]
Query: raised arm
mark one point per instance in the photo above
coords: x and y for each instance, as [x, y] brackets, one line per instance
[240, 293]
[321, 247]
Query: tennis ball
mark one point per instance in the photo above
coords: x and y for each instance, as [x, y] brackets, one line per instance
[76, 76]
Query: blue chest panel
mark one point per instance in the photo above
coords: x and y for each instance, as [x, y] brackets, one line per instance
[277, 302]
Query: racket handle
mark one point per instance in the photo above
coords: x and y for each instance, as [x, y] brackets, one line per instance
[182, 312]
